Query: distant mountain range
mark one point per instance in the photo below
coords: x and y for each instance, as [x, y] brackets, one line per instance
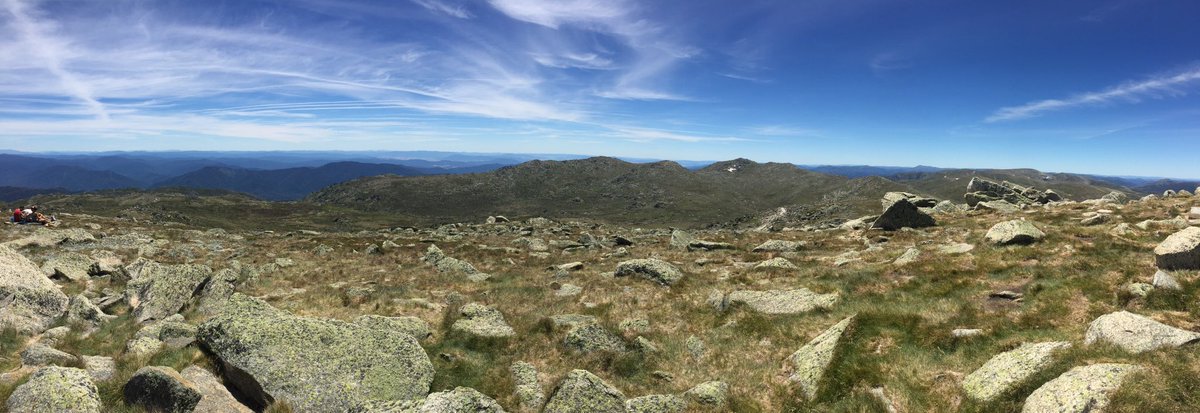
[292, 175]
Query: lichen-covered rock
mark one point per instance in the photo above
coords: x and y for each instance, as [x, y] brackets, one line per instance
[69, 265]
[582, 391]
[216, 291]
[782, 301]
[651, 269]
[902, 214]
[482, 321]
[56, 390]
[1180, 251]
[592, 337]
[810, 362]
[100, 368]
[656, 403]
[316, 365]
[143, 347]
[528, 389]
[29, 302]
[161, 389]
[157, 291]
[780, 246]
[38, 354]
[777, 263]
[1010, 369]
[460, 400]
[713, 393]
[1083, 389]
[1136, 334]
[447, 264]
[81, 311]
[908, 257]
[412, 326]
[681, 239]
[171, 331]
[215, 398]
[1015, 232]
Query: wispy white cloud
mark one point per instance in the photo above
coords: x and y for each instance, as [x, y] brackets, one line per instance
[784, 131]
[39, 39]
[647, 134]
[441, 7]
[1176, 84]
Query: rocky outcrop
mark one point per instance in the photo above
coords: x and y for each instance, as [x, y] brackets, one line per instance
[983, 190]
[1015, 232]
[56, 390]
[582, 391]
[157, 291]
[316, 365]
[29, 302]
[902, 214]
[459, 400]
[1180, 251]
[38, 354]
[81, 311]
[809, 363]
[652, 269]
[1136, 334]
[71, 265]
[891, 198]
[1084, 389]
[161, 389]
[1010, 369]
[781, 301]
[447, 264]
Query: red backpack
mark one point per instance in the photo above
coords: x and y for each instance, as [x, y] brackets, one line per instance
[17, 215]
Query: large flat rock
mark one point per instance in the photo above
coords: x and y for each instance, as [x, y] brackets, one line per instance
[316, 365]
[1084, 389]
[1137, 334]
[810, 362]
[782, 301]
[29, 302]
[1010, 369]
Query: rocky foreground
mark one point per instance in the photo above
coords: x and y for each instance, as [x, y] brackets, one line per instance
[1016, 301]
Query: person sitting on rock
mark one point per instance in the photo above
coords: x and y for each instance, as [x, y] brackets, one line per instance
[37, 217]
[16, 218]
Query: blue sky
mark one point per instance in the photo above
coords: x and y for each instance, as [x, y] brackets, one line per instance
[1082, 86]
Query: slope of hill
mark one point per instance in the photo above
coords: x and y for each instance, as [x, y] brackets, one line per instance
[601, 189]
[860, 171]
[951, 183]
[283, 184]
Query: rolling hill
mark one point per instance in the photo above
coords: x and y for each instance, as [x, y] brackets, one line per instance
[283, 184]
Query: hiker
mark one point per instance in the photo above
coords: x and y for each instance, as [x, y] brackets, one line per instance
[37, 217]
[16, 218]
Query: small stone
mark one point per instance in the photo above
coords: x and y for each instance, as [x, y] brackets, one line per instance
[38, 354]
[593, 337]
[482, 321]
[908, 257]
[695, 347]
[101, 368]
[966, 332]
[780, 246]
[713, 393]
[1166, 281]
[777, 263]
